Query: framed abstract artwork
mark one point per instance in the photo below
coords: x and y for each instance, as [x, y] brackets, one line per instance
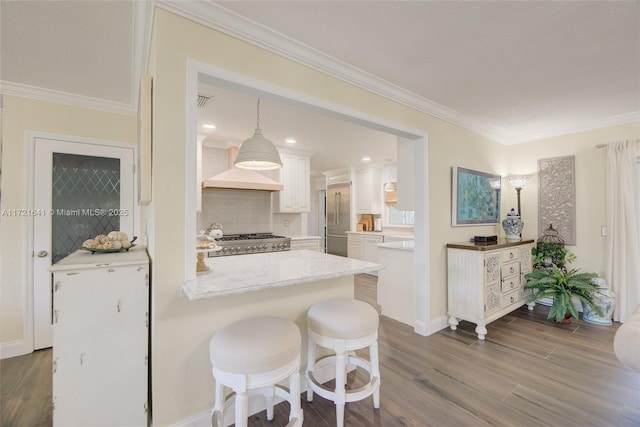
[475, 197]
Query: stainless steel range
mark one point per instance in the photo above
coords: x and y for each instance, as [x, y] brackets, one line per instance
[240, 244]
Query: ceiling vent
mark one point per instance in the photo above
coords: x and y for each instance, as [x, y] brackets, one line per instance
[203, 100]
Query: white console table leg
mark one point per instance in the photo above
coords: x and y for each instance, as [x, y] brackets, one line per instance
[453, 323]
[481, 330]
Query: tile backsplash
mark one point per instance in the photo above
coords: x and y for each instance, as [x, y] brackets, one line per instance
[237, 211]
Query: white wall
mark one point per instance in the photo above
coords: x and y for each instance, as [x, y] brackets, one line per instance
[19, 116]
[180, 390]
[590, 179]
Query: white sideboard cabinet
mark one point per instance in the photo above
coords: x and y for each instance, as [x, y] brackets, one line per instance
[485, 282]
[100, 339]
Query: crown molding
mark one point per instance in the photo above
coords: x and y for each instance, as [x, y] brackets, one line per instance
[620, 119]
[142, 25]
[223, 20]
[75, 100]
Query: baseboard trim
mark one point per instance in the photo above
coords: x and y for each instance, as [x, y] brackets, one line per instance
[439, 324]
[323, 373]
[13, 349]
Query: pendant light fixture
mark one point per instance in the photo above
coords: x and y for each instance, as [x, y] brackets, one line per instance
[390, 186]
[258, 152]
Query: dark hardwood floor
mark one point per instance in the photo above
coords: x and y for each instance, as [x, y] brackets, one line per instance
[529, 371]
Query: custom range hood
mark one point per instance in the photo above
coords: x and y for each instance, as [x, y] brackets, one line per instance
[240, 179]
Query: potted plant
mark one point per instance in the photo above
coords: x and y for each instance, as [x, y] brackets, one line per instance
[547, 253]
[563, 286]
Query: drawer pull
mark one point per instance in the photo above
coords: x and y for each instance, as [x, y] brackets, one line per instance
[513, 270]
[511, 255]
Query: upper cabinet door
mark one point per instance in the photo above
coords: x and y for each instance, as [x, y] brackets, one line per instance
[368, 189]
[295, 177]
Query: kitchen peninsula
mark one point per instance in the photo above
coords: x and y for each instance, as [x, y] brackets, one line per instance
[283, 284]
[257, 272]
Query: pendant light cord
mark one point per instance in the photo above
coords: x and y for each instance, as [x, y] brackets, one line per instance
[258, 121]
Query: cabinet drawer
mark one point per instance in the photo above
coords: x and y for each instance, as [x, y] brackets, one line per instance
[511, 255]
[510, 284]
[512, 298]
[312, 246]
[509, 269]
[354, 238]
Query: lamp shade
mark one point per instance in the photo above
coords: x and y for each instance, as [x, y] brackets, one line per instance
[518, 181]
[495, 183]
[258, 153]
[389, 187]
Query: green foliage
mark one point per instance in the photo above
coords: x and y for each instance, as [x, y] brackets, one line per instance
[562, 286]
[547, 253]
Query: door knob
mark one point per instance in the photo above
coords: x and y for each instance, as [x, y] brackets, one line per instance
[42, 254]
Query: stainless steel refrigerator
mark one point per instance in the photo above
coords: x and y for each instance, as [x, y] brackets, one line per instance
[338, 217]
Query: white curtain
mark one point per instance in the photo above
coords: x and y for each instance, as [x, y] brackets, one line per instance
[623, 243]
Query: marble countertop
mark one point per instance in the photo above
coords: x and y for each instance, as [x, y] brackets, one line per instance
[404, 245]
[255, 272]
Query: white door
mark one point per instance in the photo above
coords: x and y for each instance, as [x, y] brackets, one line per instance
[80, 190]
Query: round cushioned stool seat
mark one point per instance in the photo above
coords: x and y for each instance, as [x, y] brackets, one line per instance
[342, 318]
[343, 325]
[255, 345]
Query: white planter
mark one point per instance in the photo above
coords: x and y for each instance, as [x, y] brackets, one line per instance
[604, 299]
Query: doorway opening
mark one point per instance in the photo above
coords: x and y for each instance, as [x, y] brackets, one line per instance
[418, 141]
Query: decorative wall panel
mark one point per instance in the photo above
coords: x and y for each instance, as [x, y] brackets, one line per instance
[556, 197]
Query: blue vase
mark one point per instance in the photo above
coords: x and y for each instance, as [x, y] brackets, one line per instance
[512, 226]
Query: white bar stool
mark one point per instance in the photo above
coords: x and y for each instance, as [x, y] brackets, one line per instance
[343, 325]
[254, 355]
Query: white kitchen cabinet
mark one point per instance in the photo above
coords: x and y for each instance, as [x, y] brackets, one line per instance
[362, 246]
[368, 189]
[295, 177]
[354, 245]
[369, 248]
[485, 282]
[311, 243]
[100, 339]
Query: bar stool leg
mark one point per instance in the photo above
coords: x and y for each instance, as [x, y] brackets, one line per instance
[217, 415]
[268, 397]
[340, 392]
[294, 391]
[375, 372]
[242, 408]
[311, 365]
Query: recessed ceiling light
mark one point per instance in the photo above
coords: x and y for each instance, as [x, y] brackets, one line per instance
[290, 140]
[209, 126]
[366, 159]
